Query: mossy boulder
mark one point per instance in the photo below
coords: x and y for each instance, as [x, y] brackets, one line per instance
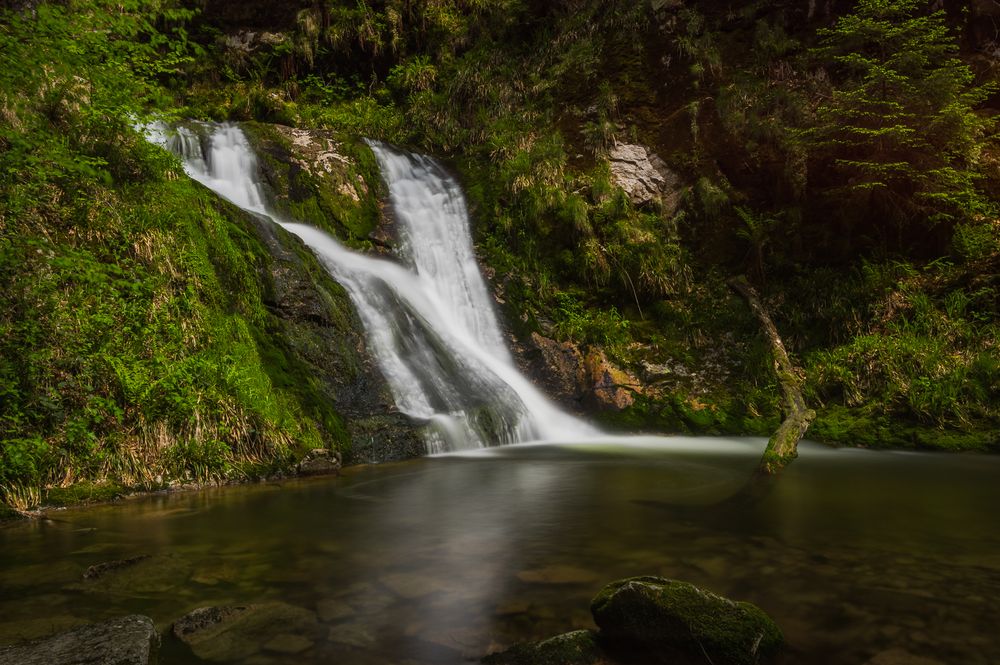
[671, 617]
[317, 178]
[580, 647]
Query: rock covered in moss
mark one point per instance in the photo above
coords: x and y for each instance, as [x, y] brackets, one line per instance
[580, 647]
[667, 616]
[130, 640]
[318, 179]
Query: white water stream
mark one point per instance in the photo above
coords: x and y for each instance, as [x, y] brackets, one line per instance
[429, 317]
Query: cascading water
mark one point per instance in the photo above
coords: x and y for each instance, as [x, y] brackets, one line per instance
[429, 318]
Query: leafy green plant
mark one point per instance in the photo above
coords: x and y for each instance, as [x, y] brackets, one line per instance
[898, 138]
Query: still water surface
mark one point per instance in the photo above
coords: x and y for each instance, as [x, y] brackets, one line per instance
[440, 560]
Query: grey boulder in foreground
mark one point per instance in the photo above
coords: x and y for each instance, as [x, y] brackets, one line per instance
[129, 640]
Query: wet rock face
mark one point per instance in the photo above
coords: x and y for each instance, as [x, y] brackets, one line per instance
[608, 386]
[667, 616]
[643, 175]
[656, 620]
[325, 340]
[590, 381]
[130, 640]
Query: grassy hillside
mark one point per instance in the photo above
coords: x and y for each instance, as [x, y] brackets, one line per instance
[140, 336]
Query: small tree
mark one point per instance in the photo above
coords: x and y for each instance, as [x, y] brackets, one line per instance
[898, 138]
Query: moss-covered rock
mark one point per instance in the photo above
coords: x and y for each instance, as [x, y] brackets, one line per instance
[581, 647]
[317, 178]
[668, 616]
[83, 492]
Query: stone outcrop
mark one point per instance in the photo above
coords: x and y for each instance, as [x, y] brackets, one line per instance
[582, 381]
[316, 178]
[643, 175]
[130, 640]
[608, 387]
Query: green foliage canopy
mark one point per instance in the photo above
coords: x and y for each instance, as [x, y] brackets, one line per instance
[898, 135]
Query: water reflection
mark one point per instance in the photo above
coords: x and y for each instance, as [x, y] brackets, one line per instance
[440, 560]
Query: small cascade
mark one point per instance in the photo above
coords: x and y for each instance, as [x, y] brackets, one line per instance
[429, 316]
[436, 240]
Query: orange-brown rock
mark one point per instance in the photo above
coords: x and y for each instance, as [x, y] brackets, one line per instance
[608, 386]
[589, 380]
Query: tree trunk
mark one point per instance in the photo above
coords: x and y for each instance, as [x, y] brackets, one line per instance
[783, 446]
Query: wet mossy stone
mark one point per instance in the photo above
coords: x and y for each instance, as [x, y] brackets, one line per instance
[667, 616]
[577, 648]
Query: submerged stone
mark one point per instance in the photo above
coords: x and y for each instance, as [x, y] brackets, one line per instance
[144, 574]
[234, 633]
[667, 616]
[130, 640]
[901, 657]
[558, 574]
[332, 609]
[577, 648]
[354, 634]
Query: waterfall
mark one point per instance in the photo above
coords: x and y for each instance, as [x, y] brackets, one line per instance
[428, 315]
